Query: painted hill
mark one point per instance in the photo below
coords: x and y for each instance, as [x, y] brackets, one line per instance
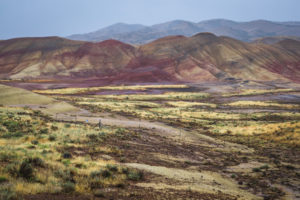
[200, 58]
[245, 31]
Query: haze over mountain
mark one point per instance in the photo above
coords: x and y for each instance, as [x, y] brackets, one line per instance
[245, 31]
[200, 58]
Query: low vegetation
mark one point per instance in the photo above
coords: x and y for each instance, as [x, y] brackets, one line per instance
[104, 88]
[39, 155]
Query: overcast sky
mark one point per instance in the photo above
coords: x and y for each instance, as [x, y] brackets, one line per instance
[21, 18]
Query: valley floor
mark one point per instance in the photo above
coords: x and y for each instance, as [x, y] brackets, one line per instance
[162, 142]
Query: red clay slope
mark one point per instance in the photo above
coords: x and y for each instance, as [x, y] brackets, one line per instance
[200, 58]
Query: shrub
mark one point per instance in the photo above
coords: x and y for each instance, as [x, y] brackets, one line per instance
[95, 174]
[93, 137]
[290, 167]
[37, 113]
[125, 170]
[44, 131]
[35, 161]
[102, 135]
[105, 173]
[54, 128]
[67, 125]
[34, 142]
[256, 169]
[66, 162]
[68, 187]
[113, 168]
[135, 175]
[96, 183]
[80, 165]
[66, 155]
[26, 170]
[52, 138]
[65, 175]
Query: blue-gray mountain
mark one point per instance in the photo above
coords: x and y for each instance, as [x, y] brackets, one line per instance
[245, 31]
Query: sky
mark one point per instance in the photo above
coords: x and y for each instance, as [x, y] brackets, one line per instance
[29, 18]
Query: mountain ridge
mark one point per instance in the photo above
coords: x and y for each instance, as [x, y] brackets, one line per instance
[140, 34]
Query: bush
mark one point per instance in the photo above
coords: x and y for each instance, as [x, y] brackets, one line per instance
[93, 137]
[54, 128]
[113, 168]
[95, 174]
[125, 170]
[96, 183]
[26, 170]
[256, 170]
[65, 175]
[34, 142]
[44, 131]
[67, 125]
[68, 187]
[135, 175]
[66, 162]
[35, 161]
[105, 173]
[66, 155]
[52, 138]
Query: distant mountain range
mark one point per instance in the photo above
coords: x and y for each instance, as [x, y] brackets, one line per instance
[199, 58]
[140, 34]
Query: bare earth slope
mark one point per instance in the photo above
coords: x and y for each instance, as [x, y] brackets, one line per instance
[200, 58]
[19, 97]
